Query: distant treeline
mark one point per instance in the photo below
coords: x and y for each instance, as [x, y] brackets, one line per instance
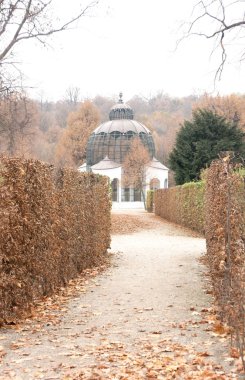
[57, 132]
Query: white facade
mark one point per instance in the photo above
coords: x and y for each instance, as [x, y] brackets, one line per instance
[156, 178]
[156, 171]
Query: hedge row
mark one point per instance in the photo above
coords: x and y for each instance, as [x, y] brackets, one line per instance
[225, 236]
[219, 210]
[150, 200]
[54, 224]
[182, 205]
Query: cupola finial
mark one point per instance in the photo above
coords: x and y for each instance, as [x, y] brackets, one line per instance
[120, 97]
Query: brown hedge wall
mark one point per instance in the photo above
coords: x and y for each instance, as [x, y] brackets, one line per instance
[182, 205]
[54, 224]
[225, 235]
[218, 208]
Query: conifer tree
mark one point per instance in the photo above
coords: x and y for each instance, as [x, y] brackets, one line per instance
[200, 141]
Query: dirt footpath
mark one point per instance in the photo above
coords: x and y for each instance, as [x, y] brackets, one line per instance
[146, 317]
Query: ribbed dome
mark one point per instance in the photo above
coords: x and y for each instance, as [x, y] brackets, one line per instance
[113, 138]
[122, 126]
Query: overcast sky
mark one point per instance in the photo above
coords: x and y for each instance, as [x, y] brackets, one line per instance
[128, 46]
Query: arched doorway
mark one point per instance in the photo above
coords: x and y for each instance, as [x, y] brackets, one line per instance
[114, 189]
[155, 184]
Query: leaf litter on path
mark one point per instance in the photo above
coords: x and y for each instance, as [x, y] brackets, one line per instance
[149, 351]
[147, 360]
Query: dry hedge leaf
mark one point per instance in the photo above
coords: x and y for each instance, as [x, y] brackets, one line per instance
[54, 224]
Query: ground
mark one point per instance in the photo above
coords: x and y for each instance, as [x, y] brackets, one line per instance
[149, 315]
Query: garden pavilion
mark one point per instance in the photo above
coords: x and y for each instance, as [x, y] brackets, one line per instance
[107, 148]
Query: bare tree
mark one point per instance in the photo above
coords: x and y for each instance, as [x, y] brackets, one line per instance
[22, 20]
[28, 19]
[18, 125]
[222, 21]
[72, 95]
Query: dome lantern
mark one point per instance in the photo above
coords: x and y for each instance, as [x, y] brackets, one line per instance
[121, 110]
[120, 97]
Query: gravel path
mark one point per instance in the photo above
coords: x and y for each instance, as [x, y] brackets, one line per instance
[146, 317]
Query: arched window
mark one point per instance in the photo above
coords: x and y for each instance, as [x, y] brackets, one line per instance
[155, 184]
[165, 183]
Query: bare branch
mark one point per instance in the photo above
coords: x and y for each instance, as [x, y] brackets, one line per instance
[29, 19]
[6, 19]
[15, 37]
[215, 11]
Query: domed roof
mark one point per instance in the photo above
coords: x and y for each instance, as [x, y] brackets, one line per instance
[112, 139]
[122, 126]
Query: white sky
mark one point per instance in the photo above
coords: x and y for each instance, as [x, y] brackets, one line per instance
[128, 46]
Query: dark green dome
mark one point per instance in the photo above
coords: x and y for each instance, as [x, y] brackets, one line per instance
[112, 138]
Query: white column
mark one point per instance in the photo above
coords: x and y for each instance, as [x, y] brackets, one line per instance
[131, 194]
[119, 191]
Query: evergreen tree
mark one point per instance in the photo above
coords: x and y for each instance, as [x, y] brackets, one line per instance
[200, 141]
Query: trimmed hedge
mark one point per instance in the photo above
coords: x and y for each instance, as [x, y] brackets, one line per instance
[219, 209]
[150, 200]
[225, 236]
[182, 205]
[54, 224]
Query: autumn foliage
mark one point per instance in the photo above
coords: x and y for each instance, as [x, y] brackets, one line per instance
[71, 149]
[134, 166]
[231, 107]
[54, 224]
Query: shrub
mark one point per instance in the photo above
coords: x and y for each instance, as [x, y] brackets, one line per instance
[149, 200]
